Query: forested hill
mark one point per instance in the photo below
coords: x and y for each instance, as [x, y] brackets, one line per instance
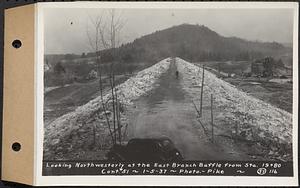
[190, 42]
[195, 43]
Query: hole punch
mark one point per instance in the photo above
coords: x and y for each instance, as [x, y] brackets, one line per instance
[17, 43]
[16, 146]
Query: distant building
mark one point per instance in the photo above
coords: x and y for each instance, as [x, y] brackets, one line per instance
[263, 67]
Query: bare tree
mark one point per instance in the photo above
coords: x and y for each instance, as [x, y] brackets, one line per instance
[106, 35]
[94, 39]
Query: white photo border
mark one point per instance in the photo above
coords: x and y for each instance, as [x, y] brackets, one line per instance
[155, 180]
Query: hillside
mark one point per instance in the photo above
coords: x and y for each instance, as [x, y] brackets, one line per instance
[196, 43]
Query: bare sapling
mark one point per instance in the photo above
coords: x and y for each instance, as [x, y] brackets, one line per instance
[113, 103]
[201, 94]
[94, 38]
[212, 118]
[104, 35]
[110, 39]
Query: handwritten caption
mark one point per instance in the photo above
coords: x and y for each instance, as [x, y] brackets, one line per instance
[172, 168]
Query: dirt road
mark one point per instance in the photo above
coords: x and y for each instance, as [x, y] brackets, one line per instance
[168, 111]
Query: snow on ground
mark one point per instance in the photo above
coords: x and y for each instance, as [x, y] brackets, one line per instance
[48, 89]
[280, 81]
[142, 82]
[266, 123]
[63, 127]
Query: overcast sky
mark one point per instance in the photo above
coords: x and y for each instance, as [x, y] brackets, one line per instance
[252, 24]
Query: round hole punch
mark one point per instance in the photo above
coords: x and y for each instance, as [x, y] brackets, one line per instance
[16, 146]
[16, 43]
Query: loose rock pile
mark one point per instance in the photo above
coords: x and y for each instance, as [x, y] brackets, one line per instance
[257, 120]
[74, 133]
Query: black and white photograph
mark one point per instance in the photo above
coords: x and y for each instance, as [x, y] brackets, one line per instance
[167, 85]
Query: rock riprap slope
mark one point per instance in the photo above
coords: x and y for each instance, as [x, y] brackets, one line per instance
[74, 132]
[237, 113]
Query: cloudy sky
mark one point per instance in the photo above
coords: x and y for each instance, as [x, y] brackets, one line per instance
[66, 29]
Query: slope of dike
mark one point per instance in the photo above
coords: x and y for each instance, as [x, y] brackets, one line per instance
[75, 132]
[239, 115]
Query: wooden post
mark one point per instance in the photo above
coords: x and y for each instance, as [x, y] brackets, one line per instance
[212, 118]
[94, 134]
[201, 95]
[236, 131]
[200, 102]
